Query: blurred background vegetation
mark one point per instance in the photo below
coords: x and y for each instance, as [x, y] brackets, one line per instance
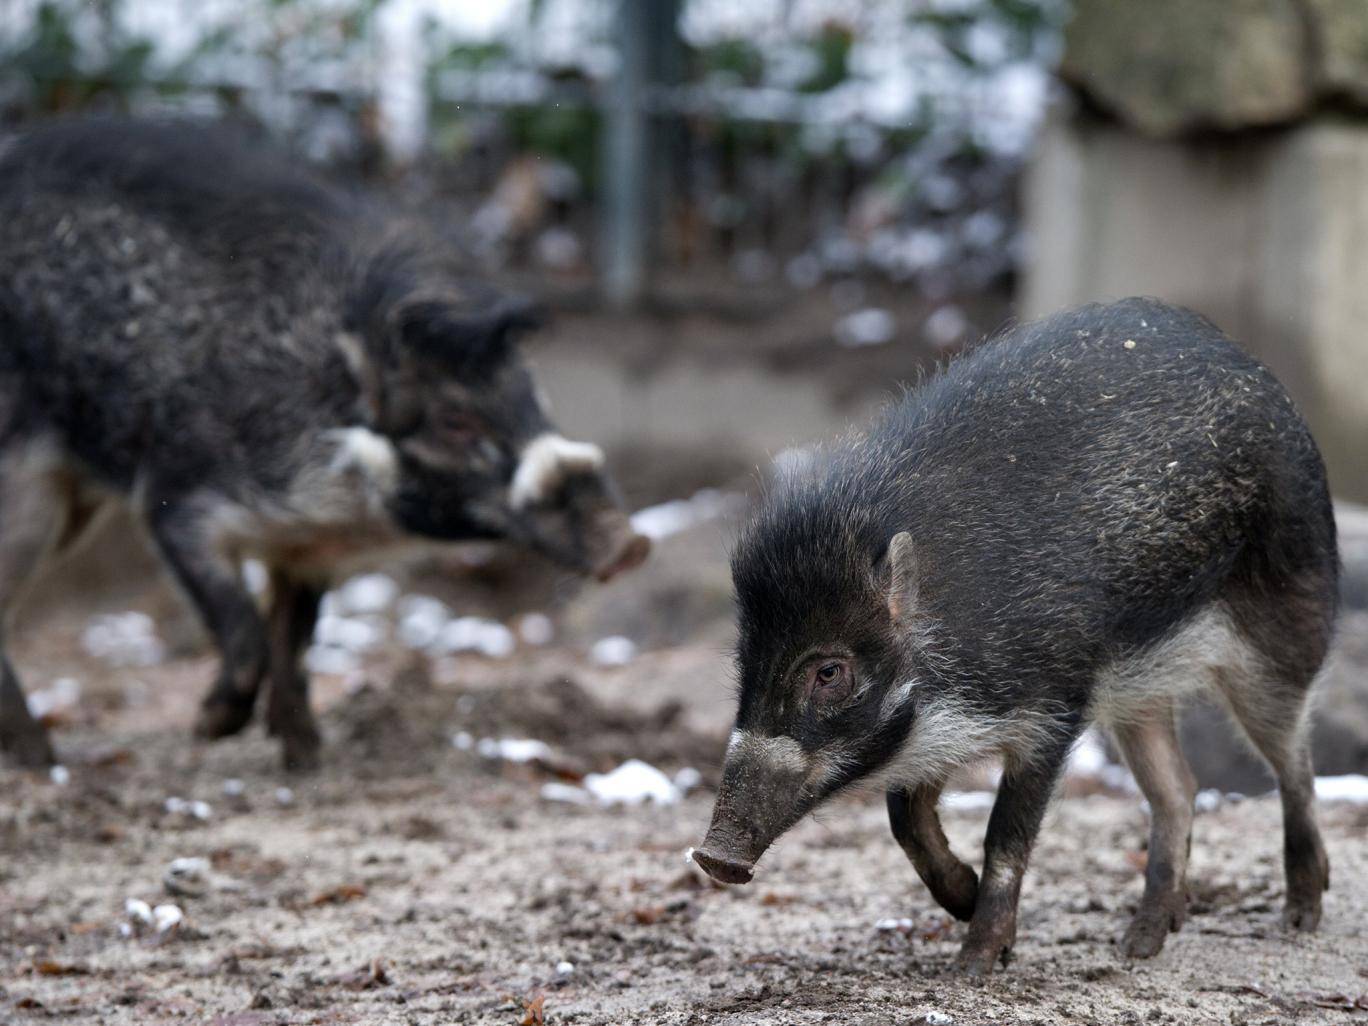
[781, 143]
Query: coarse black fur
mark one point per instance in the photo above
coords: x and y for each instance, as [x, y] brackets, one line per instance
[1086, 500]
[261, 363]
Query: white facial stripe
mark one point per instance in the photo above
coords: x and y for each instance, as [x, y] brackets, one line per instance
[895, 699]
[737, 739]
[781, 754]
[547, 461]
[361, 449]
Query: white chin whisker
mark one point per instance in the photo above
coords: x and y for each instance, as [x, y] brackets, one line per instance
[545, 463]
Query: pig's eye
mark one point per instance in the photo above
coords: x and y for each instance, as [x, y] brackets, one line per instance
[463, 428]
[829, 681]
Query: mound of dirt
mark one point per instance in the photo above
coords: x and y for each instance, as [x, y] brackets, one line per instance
[407, 728]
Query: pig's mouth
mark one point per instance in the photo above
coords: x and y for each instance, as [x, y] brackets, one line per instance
[630, 556]
[723, 868]
[756, 803]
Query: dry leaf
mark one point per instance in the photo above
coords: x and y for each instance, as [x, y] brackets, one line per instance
[770, 898]
[533, 1012]
[368, 977]
[339, 895]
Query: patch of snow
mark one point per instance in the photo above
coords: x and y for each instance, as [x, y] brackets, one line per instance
[187, 876]
[557, 791]
[476, 634]
[138, 911]
[536, 629]
[614, 650]
[946, 326]
[350, 633]
[284, 796]
[195, 809]
[421, 619]
[894, 925]
[1089, 755]
[687, 779]
[167, 917]
[62, 694]
[679, 515]
[60, 775]
[968, 799]
[462, 741]
[1352, 787]
[564, 968]
[1089, 759]
[233, 788]
[323, 659]
[367, 593]
[512, 749]
[123, 639]
[1209, 799]
[632, 783]
[872, 326]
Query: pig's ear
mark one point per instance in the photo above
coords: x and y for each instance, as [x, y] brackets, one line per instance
[902, 578]
[470, 344]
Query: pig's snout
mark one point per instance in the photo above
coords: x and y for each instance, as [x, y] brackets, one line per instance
[761, 796]
[723, 868]
[628, 556]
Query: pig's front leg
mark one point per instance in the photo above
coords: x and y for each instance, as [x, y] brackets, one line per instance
[213, 583]
[1023, 795]
[290, 625]
[917, 827]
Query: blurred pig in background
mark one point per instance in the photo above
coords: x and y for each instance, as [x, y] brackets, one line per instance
[260, 365]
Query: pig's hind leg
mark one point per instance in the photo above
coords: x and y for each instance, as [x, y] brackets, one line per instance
[290, 625]
[1149, 742]
[183, 533]
[917, 828]
[1269, 694]
[33, 516]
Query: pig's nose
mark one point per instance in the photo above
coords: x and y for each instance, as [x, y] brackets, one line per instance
[632, 554]
[722, 868]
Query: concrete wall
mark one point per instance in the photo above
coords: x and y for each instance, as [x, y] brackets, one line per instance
[1266, 234]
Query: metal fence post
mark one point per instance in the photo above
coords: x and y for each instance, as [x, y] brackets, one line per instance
[646, 37]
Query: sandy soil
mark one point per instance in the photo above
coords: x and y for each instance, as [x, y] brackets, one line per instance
[411, 882]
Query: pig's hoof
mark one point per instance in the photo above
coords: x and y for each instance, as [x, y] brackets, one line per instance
[28, 749]
[301, 752]
[977, 960]
[1154, 920]
[219, 718]
[1302, 915]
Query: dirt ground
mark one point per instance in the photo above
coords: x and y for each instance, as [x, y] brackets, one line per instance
[412, 881]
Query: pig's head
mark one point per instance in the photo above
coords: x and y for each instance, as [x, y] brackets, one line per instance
[473, 452]
[827, 667]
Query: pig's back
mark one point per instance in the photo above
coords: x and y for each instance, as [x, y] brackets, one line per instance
[1081, 486]
[181, 293]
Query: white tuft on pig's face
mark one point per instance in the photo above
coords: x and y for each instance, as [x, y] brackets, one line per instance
[545, 464]
[363, 451]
